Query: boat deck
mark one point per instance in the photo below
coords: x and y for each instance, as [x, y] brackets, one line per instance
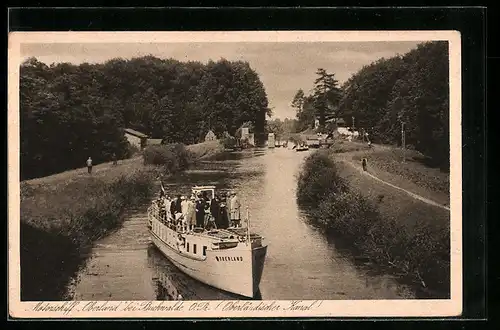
[229, 233]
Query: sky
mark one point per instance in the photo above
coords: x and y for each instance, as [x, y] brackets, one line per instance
[283, 67]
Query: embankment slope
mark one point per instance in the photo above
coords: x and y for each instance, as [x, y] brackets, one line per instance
[402, 233]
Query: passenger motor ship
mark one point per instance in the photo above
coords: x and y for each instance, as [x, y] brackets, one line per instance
[229, 259]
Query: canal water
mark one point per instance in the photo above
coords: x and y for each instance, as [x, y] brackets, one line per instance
[301, 263]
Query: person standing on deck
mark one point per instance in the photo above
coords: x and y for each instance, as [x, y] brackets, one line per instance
[200, 211]
[223, 214]
[172, 208]
[191, 213]
[178, 204]
[89, 165]
[184, 205]
[215, 210]
[208, 221]
[234, 207]
[184, 210]
[168, 203]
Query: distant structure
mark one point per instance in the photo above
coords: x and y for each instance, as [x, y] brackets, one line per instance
[136, 138]
[251, 139]
[316, 123]
[247, 137]
[210, 136]
[270, 140]
[340, 122]
[245, 133]
[152, 142]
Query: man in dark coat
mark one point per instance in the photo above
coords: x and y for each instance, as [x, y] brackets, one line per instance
[172, 207]
[215, 210]
[223, 214]
[200, 211]
[178, 206]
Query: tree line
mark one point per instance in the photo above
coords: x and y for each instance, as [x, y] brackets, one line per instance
[70, 112]
[409, 91]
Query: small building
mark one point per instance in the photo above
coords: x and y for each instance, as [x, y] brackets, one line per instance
[251, 139]
[270, 140]
[210, 136]
[152, 142]
[136, 138]
[316, 123]
[340, 122]
[245, 132]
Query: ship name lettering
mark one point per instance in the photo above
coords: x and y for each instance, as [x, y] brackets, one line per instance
[229, 258]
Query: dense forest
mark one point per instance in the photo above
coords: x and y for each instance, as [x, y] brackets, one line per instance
[70, 112]
[410, 90]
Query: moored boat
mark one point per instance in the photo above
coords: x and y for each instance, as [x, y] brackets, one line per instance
[230, 259]
[302, 147]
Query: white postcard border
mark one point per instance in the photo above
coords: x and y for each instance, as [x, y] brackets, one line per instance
[215, 309]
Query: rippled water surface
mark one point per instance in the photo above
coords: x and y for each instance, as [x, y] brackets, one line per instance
[300, 264]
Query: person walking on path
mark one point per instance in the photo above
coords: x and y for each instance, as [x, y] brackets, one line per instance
[89, 165]
[115, 160]
[363, 163]
[234, 207]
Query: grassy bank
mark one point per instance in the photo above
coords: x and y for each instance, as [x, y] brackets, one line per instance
[64, 214]
[205, 150]
[392, 230]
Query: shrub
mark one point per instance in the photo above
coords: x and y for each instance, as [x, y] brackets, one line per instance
[229, 142]
[419, 251]
[173, 157]
[318, 178]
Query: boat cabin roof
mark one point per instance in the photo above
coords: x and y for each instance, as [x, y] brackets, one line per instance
[203, 187]
[198, 189]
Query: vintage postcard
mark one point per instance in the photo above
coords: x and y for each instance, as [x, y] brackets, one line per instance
[234, 174]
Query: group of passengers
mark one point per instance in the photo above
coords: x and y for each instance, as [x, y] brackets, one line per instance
[184, 214]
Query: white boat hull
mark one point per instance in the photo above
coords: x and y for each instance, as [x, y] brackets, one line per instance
[237, 270]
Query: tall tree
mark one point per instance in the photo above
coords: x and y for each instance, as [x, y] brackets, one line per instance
[412, 88]
[69, 112]
[298, 101]
[326, 95]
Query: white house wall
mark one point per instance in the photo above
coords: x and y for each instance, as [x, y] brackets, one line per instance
[134, 140]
